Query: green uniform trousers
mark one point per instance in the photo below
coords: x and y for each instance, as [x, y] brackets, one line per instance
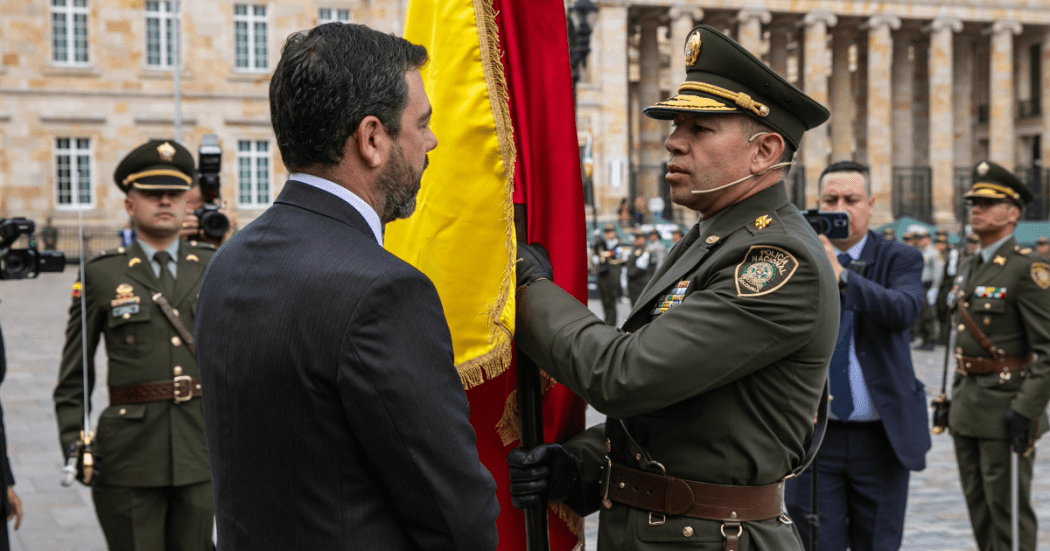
[145, 519]
[984, 469]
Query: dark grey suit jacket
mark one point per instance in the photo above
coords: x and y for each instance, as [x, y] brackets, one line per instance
[334, 415]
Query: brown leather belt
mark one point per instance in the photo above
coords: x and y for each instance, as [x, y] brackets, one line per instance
[968, 365]
[668, 495]
[181, 389]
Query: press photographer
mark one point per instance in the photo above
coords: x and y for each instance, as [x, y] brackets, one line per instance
[28, 262]
[205, 219]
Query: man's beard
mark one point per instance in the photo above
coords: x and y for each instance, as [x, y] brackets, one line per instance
[398, 186]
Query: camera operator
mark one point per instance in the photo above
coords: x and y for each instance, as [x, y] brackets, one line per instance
[877, 428]
[151, 482]
[191, 225]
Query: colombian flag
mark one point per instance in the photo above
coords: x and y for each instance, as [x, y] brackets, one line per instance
[499, 82]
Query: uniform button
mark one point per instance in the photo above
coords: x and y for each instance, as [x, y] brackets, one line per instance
[175, 341]
[958, 350]
[130, 339]
[178, 370]
[966, 305]
[126, 316]
[123, 411]
[687, 531]
[962, 328]
[987, 320]
[623, 485]
[638, 456]
[987, 305]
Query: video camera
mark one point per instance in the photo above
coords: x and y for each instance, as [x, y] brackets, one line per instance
[834, 225]
[28, 262]
[213, 223]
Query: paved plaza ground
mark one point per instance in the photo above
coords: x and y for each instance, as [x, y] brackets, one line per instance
[33, 316]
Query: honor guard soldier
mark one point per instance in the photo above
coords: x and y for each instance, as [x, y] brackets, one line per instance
[712, 386]
[608, 259]
[1002, 381]
[152, 485]
[641, 263]
[1042, 246]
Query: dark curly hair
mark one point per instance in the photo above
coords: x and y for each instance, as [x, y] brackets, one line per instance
[328, 80]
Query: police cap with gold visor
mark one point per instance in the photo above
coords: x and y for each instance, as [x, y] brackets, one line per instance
[724, 78]
[156, 165]
[992, 181]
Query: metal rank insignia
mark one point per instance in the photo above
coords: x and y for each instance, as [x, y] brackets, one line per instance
[126, 302]
[674, 299]
[989, 292]
[999, 260]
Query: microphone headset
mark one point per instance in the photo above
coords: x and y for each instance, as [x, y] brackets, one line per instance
[749, 176]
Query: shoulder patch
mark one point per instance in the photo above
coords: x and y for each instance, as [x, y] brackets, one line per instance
[77, 288]
[764, 270]
[1041, 274]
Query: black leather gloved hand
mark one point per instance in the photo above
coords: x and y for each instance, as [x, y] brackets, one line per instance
[533, 264]
[546, 471]
[1018, 426]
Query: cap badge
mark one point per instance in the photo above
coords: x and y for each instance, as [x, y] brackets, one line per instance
[692, 49]
[166, 151]
[982, 169]
[762, 222]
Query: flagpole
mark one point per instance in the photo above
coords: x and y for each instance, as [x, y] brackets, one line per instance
[530, 411]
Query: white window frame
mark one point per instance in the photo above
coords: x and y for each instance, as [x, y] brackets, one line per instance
[258, 163]
[251, 19]
[66, 15]
[167, 26]
[333, 15]
[73, 152]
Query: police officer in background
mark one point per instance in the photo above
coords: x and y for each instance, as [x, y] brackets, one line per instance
[1042, 246]
[999, 396]
[950, 259]
[641, 263]
[608, 260]
[152, 489]
[713, 384]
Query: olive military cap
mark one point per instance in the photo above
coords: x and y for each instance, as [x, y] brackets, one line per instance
[724, 78]
[991, 181]
[608, 228]
[156, 165]
[972, 238]
[1042, 240]
[941, 238]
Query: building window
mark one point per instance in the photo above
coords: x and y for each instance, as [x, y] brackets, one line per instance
[161, 27]
[69, 32]
[73, 173]
[250, 31]
[332, 15]
[253, 173]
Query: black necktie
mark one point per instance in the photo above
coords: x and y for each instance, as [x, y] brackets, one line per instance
[838, 369]
[167, 281]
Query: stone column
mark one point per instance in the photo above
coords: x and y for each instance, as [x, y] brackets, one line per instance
[651, 132]
[880, 114]
[778, 45]
[964, 119]
[903, 94]
[920, 106]
[608, 100]
[843, 106]
[682, 21]
[1001, 136]
[941, 127]
[860, 99]
[749, 32]
[815, 143]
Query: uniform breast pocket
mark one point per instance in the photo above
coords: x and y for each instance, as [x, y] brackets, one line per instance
[983, 306]
[128, 332]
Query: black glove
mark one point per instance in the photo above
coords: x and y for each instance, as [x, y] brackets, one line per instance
[533, 264]
[1018, 426]
[546, 471]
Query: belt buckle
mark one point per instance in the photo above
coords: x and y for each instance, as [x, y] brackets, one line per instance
[180, 382]
[663, 519]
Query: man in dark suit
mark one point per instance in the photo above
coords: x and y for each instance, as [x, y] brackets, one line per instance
[153, 489]
[878, 429]
[335, 416]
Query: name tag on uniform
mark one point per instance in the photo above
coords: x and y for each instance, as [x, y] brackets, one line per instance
[674, 299]
[989, 292]
[129, 310]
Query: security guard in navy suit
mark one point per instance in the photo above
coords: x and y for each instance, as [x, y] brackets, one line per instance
[152, 484]
[1002, 380]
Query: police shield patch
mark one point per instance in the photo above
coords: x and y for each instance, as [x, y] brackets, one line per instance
[1041, 274]
[764, 270]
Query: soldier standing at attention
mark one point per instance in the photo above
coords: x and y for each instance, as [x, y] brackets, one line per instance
[152, 490]
[999, 396]
[712, 387]
[640, 266]
[609, 261]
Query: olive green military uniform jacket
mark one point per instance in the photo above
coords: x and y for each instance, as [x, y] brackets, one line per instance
[157, 443]
[718, 372]
[1009, 299]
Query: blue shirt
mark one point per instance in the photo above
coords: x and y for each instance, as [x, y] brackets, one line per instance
[341, 192]
[863, 405]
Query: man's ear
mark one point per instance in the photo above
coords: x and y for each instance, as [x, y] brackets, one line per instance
[128, 204]
[372, 141]
[770, 147]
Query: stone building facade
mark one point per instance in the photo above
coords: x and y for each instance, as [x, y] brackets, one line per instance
[920, 90]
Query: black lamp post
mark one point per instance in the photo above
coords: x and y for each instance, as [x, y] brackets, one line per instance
[580, 20]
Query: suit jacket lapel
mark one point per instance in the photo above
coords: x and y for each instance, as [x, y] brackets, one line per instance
[321, 202]
[142, 271]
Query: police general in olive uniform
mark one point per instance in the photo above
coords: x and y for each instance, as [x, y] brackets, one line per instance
[152, 484]
[999, 395]
[712, 387]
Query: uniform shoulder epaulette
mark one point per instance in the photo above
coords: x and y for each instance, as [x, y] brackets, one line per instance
[106, 254]
[201, 245]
